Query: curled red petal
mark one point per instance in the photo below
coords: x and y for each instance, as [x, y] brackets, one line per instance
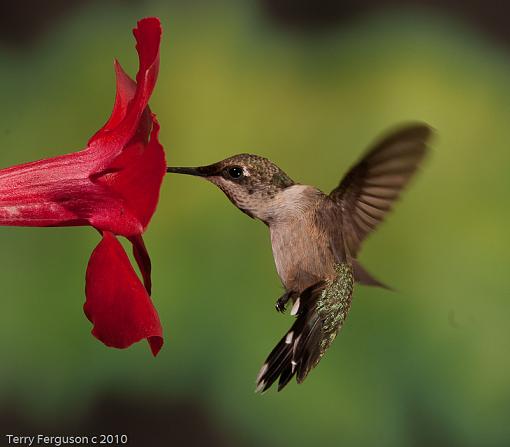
[117, 303]
[125, 92]
[148, 38]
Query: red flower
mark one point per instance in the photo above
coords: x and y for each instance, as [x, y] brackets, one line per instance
[112, 185]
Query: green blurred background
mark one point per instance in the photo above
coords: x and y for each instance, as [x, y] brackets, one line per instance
[310, 89]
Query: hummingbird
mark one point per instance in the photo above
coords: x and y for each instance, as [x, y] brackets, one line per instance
[316, 237]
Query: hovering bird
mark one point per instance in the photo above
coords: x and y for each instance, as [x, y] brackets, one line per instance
[316, 237]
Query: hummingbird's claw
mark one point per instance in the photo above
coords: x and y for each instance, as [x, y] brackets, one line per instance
[280, 305]
[281, 302]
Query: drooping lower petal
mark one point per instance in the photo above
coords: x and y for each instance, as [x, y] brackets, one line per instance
[117, 303]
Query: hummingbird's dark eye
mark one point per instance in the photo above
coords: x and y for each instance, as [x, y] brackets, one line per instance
[235, 172]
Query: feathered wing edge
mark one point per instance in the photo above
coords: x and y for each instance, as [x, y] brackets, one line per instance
[369, 190]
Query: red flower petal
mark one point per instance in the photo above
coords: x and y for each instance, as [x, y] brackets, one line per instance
[126, 89]
[110, 139]
[117, 303]
[136, 176]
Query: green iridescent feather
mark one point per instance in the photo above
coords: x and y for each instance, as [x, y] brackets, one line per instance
[334, 304]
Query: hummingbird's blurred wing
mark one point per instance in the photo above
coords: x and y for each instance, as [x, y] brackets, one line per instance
[367, 192]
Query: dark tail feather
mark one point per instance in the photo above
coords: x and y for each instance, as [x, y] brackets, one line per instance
[299, 350]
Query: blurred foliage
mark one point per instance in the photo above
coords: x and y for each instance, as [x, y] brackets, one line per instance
[427, 365]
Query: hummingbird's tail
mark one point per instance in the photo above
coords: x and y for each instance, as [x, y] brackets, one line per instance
[321, 310]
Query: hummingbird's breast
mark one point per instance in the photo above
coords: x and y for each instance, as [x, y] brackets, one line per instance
[301, 245]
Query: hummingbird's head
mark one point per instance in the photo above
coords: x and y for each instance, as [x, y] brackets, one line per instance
[249, 181]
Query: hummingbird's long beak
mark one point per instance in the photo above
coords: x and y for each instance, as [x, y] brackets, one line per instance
[200, 171]
[188, 171]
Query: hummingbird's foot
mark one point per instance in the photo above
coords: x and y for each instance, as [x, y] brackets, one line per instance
[284, 299]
